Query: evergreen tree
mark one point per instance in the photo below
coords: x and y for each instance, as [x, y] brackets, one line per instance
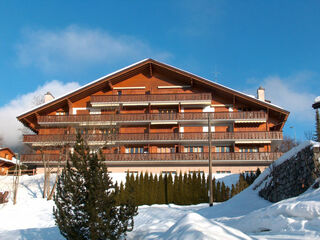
[218, 189]
[223, 192]
[258, 172]
[86, 199]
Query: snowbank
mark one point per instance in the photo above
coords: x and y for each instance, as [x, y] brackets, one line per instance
[194, 226]
[294, 216]
[245, 216]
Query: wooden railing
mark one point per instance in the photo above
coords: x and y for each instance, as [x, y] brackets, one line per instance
[150, 97]
[136, 137]
[127, 157]
[254, 115]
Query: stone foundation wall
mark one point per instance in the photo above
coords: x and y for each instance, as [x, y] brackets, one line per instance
[292, 177]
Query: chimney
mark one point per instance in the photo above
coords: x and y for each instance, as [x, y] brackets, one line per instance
[261, 94]
[48, 97]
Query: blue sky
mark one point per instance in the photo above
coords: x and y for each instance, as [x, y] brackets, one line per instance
[59, 45]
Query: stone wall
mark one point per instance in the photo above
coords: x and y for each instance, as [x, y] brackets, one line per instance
[293, 176]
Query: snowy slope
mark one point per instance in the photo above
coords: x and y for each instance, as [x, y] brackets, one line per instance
[245, 216]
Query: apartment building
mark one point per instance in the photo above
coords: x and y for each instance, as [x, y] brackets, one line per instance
[154, 117]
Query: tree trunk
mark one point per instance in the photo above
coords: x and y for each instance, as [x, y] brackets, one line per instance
[16, 185]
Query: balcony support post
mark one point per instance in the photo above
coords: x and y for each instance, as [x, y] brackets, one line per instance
[267, 120]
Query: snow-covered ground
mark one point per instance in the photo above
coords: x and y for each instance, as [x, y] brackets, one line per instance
[245, 216]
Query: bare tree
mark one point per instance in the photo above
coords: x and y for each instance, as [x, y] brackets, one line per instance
[309, 135]
[285, 145]
[16, 179]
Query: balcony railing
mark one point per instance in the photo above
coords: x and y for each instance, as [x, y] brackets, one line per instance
[153, 137]
[150, 97]
[144, 117]
[128, 157]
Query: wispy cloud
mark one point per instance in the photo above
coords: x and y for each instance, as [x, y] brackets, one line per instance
[10, 130]
[292, 94]
[75, 48]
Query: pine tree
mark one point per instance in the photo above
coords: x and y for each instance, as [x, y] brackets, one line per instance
[218, 189]
[258, 172]
[223, 192]
[86, 199]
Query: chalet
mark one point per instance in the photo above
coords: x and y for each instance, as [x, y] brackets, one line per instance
[154, 117]
[7, 160]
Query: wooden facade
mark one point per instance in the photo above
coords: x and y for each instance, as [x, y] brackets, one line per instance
[152, 116]
[6, 160]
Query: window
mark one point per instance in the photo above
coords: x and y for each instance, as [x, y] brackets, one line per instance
[196, 172]
[109, 131]
[168, 172]
[166, 150]
[60, 113]
[119, 93]
[6, 156]
[167, 110]
[248, 149]
[135, 150]
[84, 131]
[193, 149]
[223, 172]
[135, 173]
[223, 149]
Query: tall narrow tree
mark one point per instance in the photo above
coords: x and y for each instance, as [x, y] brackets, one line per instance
[86, 199]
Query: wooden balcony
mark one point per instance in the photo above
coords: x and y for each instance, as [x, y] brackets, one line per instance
[104, 119]
[127, 138]
[149, 98]
[162, 157]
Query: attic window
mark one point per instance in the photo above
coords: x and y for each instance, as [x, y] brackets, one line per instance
[173, 87]
[60, 113]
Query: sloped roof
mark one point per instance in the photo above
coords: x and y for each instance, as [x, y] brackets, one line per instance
[12, 162]
[143, 62]
[8, 150]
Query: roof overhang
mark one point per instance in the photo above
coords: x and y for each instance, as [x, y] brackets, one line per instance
[139, 65]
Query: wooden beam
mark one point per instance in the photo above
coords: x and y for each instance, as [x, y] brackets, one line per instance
[110, 85]
[150, 69]
[31, 124]
[70, 105]
[191, 82]
[37, 116]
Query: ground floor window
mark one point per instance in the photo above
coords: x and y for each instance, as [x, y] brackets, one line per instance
[196, 172]
[168, 172]
[223, 172]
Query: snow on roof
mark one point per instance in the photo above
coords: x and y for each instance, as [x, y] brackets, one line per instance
[132, 65]
[13, 161]
[317, 99]
[252, 96]
[84, 86]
